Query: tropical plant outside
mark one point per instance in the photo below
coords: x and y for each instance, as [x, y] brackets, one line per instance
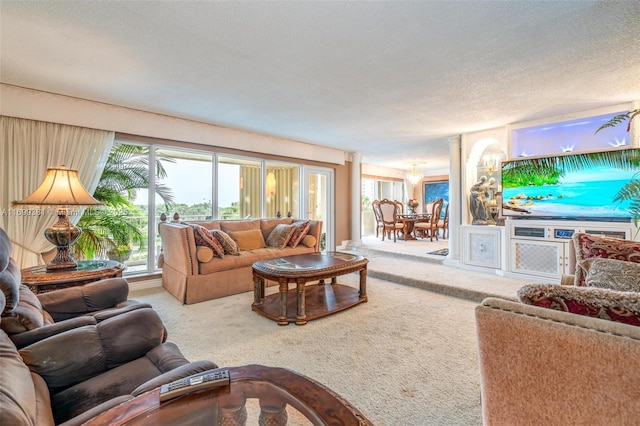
[127, 171]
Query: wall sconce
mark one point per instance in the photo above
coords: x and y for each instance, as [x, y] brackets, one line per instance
[491, 163]
[414, 176]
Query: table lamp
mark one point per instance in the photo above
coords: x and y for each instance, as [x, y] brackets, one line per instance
[61, 188]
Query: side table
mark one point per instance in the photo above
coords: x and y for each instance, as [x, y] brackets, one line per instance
[39, 280]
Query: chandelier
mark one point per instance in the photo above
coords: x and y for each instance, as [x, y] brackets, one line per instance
[414, 175]
[491, 163]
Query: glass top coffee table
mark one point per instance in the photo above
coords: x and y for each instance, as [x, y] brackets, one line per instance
[255, 395]
[306, 303]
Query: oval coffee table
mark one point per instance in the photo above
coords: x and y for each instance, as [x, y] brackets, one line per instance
[255, 395]
[313, 301]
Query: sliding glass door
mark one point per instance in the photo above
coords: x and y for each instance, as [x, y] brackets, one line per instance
[318, 196]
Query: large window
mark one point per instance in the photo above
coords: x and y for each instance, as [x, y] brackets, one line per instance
[201, 185]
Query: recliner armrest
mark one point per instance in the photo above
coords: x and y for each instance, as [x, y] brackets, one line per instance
[175, 374]
[32, 336]
[128, 306]
[80, 300]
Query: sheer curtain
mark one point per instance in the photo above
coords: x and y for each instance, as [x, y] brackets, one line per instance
[27, 149]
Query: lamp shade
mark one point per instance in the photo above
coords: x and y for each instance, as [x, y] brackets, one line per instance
[61, 187]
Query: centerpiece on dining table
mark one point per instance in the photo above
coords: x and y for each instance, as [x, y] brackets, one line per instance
[413, 205]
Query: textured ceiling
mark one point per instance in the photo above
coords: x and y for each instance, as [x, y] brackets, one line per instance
[392, 80]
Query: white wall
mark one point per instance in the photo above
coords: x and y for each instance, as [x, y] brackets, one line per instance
[43, 106]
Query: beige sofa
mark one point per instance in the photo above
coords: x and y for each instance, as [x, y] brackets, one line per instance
[192, 281]
[540, 366]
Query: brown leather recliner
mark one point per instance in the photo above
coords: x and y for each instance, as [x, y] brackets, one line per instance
[28, 318]
[72, 376]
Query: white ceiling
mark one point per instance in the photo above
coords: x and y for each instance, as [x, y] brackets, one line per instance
[393, 80]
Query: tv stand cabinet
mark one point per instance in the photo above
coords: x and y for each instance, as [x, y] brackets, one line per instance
[542, 249]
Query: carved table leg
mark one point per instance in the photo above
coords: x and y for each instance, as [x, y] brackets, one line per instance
[363, 283]
[302, 310]
[258, 289]
[273, 416]
[284, 288]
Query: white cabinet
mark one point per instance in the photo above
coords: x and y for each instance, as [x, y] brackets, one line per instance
[482, 246]
[544, 249]
[539, 258]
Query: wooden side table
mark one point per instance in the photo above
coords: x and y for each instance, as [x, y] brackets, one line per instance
[39, 280]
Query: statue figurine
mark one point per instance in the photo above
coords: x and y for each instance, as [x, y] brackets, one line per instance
[478, 201]
[278, 215]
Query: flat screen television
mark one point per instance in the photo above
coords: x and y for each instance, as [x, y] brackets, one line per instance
[573, 186]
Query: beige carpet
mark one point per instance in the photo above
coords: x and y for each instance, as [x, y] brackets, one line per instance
[407, 357]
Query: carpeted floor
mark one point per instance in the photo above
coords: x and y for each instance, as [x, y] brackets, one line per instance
[407, 357]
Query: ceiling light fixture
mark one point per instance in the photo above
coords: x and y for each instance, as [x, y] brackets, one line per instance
[414, 175]
[491, 163]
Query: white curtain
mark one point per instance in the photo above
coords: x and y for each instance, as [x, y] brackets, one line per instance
[27, 149]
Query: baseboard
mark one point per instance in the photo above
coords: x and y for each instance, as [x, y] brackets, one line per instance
[145, 284]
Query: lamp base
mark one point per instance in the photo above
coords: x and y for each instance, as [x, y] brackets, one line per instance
[62, 234]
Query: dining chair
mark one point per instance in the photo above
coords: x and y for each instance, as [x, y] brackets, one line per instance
[444, 223]
[430, 227]
[375, 205]
[391, 223]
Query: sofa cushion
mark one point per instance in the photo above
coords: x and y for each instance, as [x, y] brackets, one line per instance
[228, 243]
[618, 306]
[239, 225]
[588, 246]
[611, 273]
[309, 241]
[280, 235]
[248, 240]
[204, 254]
[204, 238]
[267, 225]
[5, 250]
[301, 231]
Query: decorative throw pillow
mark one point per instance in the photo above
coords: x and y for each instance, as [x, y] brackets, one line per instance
[248, 240]
[302, 229]
[611, 273]
[309, 241]
[229, 245]
[205, 238]
[280, 236]
[618, 306]
[204, 254]
[588, 246]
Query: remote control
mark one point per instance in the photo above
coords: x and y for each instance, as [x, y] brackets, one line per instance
[194, 383]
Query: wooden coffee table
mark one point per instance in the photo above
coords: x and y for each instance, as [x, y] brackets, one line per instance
[271, 394]
[308, 302]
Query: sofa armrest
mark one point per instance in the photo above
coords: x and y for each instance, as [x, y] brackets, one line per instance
[179, 247]
[175, 374]
[32, 336]
[80, 300]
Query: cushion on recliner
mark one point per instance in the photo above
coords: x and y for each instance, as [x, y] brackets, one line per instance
[90, 297]
[28, 315]
[5, 250]
[10, 279]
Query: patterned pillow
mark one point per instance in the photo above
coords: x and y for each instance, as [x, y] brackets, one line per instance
[229, 245]
[588, 246]
[618, 306]
[280, 235]
[611, 273]
[302, 229]
[205, 238]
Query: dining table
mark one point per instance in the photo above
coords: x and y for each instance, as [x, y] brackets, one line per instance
[409, 220]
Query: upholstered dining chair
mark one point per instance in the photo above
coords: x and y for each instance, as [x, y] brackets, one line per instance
[444, 223]
[375, 205]
[430, 228]
[391, 223]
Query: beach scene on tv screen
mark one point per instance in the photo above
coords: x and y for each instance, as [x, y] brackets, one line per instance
[553, 192]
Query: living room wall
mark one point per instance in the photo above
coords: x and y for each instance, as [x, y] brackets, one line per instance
[144, 126]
